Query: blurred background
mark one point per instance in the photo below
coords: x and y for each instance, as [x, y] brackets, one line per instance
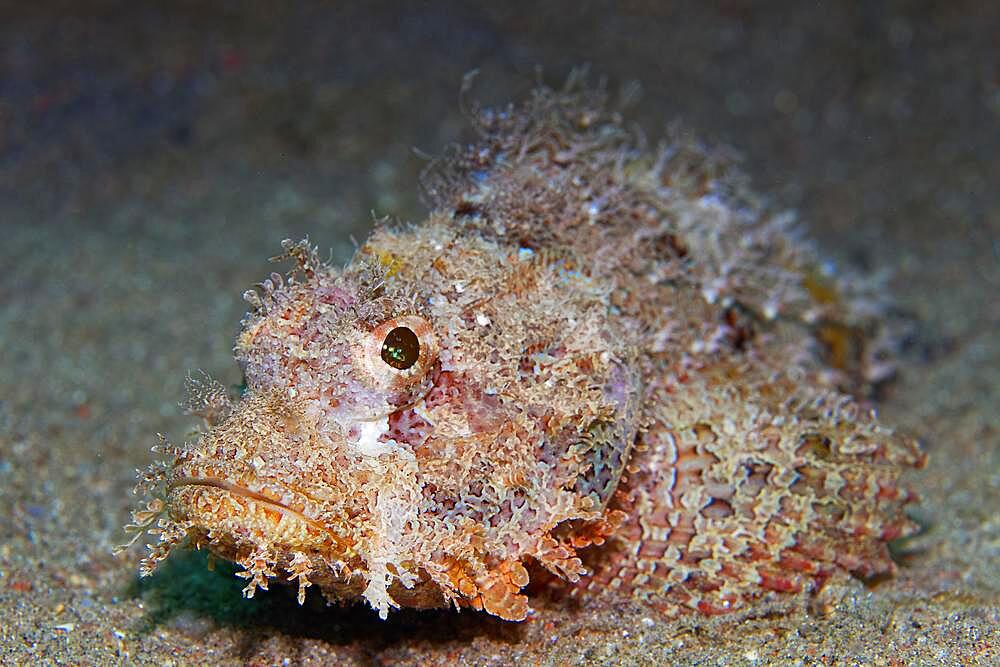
[154, 154]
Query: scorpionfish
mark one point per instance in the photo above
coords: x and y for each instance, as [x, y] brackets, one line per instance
[599, 364]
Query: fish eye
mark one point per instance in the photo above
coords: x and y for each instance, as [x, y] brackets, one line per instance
[398, 353]
[401, 348]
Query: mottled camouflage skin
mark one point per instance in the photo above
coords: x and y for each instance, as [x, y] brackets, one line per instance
[632, 374]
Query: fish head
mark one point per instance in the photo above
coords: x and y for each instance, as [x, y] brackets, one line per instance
[395, 444]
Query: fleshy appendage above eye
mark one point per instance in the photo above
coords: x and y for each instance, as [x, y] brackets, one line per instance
[400, 351]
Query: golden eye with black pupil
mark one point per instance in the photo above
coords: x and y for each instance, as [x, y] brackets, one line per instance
[397, 354]
[401, 348]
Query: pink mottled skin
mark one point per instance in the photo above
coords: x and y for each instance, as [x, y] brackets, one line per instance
[613, 363]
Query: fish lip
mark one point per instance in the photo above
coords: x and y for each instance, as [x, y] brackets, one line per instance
[231, 487]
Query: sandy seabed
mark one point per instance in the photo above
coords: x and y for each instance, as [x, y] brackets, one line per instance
[153, 155]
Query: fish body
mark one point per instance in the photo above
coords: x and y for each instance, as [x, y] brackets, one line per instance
[607, 362]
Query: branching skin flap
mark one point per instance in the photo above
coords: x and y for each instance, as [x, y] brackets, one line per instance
[603, 360]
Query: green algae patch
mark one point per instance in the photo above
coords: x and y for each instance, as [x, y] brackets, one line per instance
[187, 584]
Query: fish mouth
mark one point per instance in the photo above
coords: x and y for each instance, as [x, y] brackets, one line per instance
[243, 491]
[263, 503]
